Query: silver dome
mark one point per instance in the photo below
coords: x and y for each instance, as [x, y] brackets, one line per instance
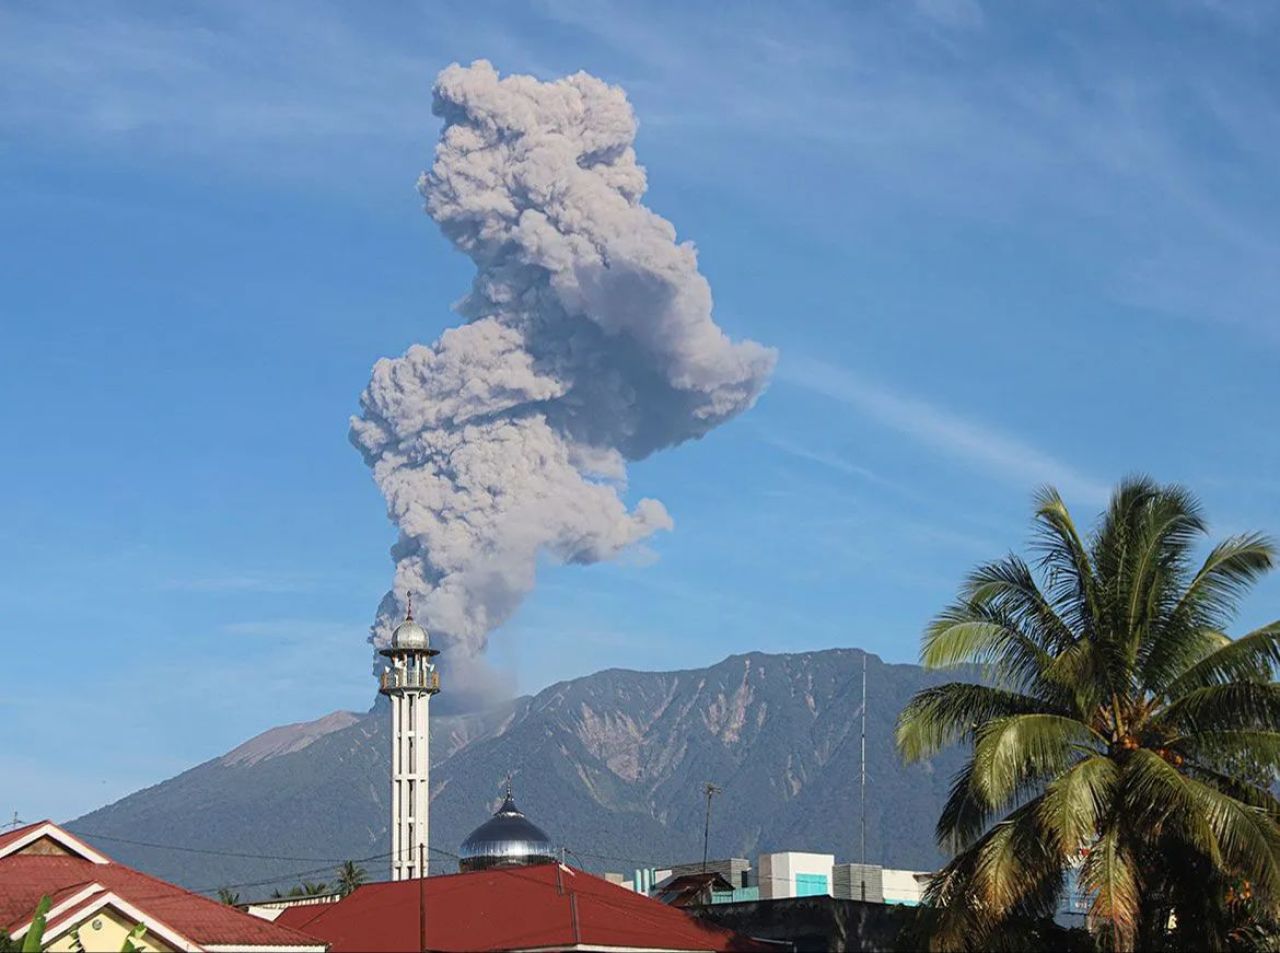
[409, 635]
[508, 839]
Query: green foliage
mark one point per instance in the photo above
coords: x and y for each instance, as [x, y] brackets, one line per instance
[34, 939]
[1119, 733]
[350, 876]
[228, 896]
[131, 941]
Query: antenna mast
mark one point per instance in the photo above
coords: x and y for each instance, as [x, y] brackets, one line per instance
[711, 791]
[863, 784]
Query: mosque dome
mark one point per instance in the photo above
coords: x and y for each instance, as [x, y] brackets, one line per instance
[409, 635]
[508, 839]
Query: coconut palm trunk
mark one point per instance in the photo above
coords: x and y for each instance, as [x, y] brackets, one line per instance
[1116, 731]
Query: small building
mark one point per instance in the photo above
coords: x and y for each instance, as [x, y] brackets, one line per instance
[736, 870]
[882, 884]
[858, 882]
[538, 907]
[794, 874]
[101, 902]
[692, 890]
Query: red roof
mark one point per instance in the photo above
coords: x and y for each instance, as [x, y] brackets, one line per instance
[10, 836]
[25, 878]
[523, 908]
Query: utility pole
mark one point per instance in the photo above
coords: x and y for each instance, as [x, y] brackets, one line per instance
[862, 785]
[711, 791]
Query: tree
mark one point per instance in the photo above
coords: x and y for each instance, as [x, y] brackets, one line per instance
[313, 889]
[350, 876]
[228, 896]
[1108, 731]
[33, 941]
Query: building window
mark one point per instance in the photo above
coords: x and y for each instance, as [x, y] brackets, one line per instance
[811, 885]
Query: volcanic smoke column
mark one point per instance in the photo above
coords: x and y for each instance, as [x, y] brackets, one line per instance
[588, 342]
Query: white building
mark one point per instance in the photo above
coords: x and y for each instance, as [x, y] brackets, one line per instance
[904, 886]
[794, 874]
[409, 681]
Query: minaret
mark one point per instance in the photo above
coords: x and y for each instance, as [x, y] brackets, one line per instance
[409, 682]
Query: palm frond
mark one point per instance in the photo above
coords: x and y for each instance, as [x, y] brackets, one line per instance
[942, 715]
[1242, 789]
[1157, 797]
[1078, 669]
[1228, 572]
[1247, 838]
[1167, 527]
[1012, 751]
[1234, 706]
[1251, 657]
[1014, 862]
[1110, 875]
[1009, 586]
[1072, 586]
[1075, 803]
[1010, 871]
[974, 633]
[1232, 747]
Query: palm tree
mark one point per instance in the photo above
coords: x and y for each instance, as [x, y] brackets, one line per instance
[350, 876]
[1111, 731]
[313, 889]
[228, 896]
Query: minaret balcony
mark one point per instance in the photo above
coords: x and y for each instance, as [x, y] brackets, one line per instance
[409, 680]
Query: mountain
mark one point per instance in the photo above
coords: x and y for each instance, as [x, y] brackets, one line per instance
[611, 765]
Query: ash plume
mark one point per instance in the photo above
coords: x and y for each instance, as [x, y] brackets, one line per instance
[588, 342]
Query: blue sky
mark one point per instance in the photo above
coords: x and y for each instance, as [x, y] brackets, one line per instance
[996, 245]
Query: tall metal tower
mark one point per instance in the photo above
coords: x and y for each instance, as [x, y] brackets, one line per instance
[711, 791]
[862, 784]
[409, 681]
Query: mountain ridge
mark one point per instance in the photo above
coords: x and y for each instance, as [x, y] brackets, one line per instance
[610, 764]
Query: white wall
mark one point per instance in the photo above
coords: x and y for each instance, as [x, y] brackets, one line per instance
[776, 873]
[904, 886]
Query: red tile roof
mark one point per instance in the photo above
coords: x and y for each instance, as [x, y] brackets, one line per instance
[522, 908]
[25, 878]
[17, 833]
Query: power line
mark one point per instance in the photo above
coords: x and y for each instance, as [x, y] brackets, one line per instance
[203, 850]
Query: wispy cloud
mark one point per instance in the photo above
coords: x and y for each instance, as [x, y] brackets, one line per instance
[266, 582]
[1097, 139]
[831, 461]
[973, 443]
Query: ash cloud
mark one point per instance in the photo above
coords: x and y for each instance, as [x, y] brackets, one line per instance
[589, 342]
